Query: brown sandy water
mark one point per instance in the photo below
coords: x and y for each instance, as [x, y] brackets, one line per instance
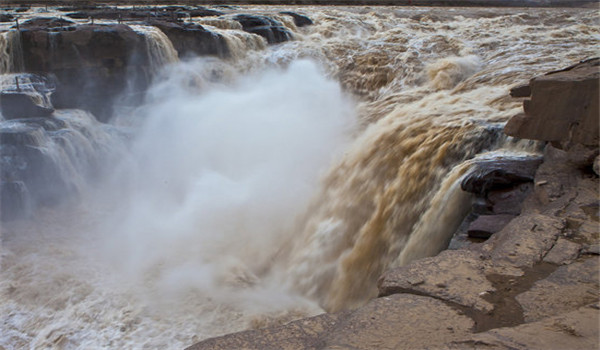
[280, 182]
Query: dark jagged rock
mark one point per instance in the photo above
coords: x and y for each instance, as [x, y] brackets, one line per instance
[27, 97]
[268, 28]
[563, 107]
[299, 20]
[500, 173]
[93, 64]
[192, 39]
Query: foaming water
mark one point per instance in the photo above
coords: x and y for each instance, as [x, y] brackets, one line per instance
[251, 190]
[179, 242]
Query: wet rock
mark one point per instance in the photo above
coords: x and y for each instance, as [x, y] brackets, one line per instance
[26, 96]
[461, 272]
[272, 30]
[20, 104]
[564, 107]
[93, 64]
[563, 252]
[566, 289]
[574, 330]
[486, 225]
[500, 173]
[46, 23]
[193, 39]
[299, 20]
[521, 91]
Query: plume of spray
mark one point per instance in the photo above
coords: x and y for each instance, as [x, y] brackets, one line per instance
[215, 181]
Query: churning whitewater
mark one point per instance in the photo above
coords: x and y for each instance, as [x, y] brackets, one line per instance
[273, 184]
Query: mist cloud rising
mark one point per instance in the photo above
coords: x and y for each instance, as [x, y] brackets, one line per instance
[216, 180]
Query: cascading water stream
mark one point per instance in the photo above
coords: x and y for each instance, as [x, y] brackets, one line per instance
[159, 48]
[253, 190]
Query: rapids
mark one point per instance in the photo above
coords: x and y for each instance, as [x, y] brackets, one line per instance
[273, 184]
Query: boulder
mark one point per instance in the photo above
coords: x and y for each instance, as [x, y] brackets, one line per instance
[496, 174]
[563, 107]
[193, 39]
[299, 20]
[486, 225]
[27, 96]
[272, 30]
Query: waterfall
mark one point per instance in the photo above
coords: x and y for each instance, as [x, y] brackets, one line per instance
[11, 54]
[159, 48]
[54, 159]
[275, 183]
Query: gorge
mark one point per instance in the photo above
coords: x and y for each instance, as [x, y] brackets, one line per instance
[176, 173]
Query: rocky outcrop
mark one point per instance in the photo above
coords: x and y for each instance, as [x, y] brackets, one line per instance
[93, 64]
[499, 174]
[191, 39]
[299, 20]
[28, 95]
[270, 29]
[563, 107]
[500, 187]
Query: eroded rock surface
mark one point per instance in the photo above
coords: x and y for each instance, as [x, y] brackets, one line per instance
[563, 106]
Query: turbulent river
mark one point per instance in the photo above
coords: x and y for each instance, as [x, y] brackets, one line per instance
[277, 183]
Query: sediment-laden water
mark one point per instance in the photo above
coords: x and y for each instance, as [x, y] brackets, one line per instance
[273, 184]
